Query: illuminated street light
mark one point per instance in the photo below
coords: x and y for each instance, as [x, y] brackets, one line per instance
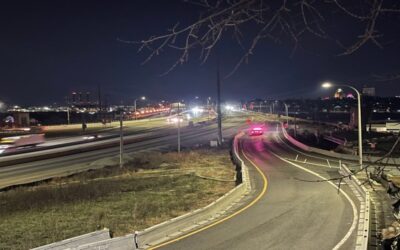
[141, 98]
[329, 85]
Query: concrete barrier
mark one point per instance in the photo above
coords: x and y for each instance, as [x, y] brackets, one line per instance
[78, 241]
[126, 242]
[294, 141]
[307, 148]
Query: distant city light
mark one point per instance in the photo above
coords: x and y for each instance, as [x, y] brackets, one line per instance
[230, 107]
[197, 110]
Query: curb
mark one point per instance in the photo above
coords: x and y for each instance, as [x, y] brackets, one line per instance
[363, 197]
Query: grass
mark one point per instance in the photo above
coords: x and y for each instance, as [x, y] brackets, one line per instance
[152, 188]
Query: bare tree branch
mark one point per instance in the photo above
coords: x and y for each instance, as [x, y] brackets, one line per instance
[275, 21]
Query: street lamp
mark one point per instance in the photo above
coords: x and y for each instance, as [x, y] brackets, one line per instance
[287, 113]
[141, 98]
[329, 85]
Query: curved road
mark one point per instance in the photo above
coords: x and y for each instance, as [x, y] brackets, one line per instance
[291, 214]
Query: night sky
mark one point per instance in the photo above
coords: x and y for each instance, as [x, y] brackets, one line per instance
[50, 48]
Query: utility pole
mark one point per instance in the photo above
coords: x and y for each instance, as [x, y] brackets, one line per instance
[121, 140]
[219, 118]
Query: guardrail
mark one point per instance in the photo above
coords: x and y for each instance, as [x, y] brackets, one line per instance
[359, 190]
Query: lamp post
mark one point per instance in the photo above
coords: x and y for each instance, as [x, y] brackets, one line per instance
[141, 98]
[329, 85]
[287, 113]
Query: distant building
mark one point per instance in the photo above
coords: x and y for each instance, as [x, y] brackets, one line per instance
[368, 91]
[21, 119]
[80, 99]
[339, 94]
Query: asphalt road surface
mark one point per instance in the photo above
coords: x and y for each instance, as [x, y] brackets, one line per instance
[292, 214]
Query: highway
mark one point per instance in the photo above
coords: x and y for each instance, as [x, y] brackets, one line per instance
[292, 213]
[161, 139]
[64, 135]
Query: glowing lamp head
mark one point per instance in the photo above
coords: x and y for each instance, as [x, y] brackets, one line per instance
[143, 98]
[327, 85]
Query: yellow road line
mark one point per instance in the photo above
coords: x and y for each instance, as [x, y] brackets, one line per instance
[265, 185]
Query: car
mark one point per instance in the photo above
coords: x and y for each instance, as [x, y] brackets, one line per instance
[256, 131]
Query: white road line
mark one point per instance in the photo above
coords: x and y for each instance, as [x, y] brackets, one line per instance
[355, 216]
[311, 163]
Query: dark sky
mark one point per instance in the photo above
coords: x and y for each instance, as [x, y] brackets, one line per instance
[50, 48]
